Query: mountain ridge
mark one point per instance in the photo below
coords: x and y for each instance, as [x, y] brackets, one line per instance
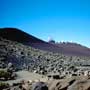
[15, 34]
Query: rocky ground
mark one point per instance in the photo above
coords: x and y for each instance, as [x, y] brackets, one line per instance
[28, 78]
[39, 64]
[26, 57]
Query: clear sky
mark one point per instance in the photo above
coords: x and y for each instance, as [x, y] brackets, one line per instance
[67, 20]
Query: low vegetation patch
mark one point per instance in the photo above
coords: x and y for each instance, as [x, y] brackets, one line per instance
[5, 75]
[3, 85]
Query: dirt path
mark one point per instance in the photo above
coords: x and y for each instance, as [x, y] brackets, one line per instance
[25, 75]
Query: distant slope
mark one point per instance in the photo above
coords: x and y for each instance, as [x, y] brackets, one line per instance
[74, 49]
[26, 39]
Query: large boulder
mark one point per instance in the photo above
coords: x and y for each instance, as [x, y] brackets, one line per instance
[39, 86]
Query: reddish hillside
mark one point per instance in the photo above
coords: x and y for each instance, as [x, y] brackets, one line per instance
[74, 49]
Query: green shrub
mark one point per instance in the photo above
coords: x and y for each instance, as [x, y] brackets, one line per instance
[4, 74]
[3, 85]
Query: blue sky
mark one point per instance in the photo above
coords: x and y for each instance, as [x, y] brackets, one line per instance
[62, 20]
